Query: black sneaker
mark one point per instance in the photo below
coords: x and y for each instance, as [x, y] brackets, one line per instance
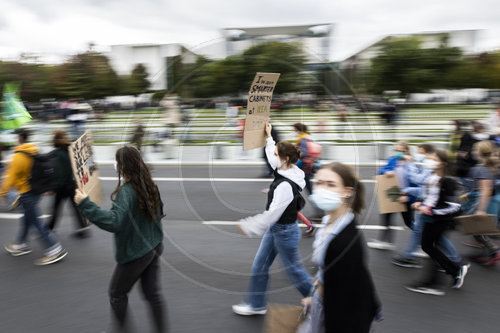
[459, 279]
[426, 289]
[404, 262]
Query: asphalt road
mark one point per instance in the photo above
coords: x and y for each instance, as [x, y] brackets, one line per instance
[206, 267]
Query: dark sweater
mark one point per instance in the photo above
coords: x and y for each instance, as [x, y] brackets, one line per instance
[64, 174]
[135, 235]
[350, 300]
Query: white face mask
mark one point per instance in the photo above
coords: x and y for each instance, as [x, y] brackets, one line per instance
[115, 167]
[326, 200]
[274, 161]
[430, 164]
[419, 158]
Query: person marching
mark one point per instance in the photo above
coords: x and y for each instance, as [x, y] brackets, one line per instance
[484, 199]
[279, 226]
[18, 177]
[395, 167]
[135, 219]
[437, 213]
[344, 288]
[65, 183]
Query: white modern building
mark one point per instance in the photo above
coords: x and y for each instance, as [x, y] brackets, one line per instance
[158, 60]
[315, 39]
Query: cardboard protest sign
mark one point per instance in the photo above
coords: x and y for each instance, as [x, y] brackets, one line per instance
[388, 192]
[258, 109]
[84, 167]
[478, 225]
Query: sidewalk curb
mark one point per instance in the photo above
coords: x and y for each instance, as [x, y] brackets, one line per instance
[232, 163]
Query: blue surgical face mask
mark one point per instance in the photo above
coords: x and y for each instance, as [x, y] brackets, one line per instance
[419, 158]
[325, 200]
[399, 155]
[115, 167]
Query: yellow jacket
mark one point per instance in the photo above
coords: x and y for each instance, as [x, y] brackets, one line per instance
[19, 170]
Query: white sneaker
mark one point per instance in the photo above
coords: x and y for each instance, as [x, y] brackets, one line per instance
[244, 309]
[51, 258]
[379, 245]
[17, 249]
[420, 254]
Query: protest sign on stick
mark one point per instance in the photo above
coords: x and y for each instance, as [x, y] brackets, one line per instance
[258, 109]
[84, 167]
[388, 193]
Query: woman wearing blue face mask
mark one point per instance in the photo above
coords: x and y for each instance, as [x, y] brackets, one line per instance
[279, 226]
[344, 287]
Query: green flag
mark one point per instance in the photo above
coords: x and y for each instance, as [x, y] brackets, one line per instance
[14, 114]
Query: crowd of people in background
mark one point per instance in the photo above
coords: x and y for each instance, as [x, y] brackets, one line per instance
[436, 186]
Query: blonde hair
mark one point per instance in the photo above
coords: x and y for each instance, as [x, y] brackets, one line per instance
[489, 153]
[404, 144]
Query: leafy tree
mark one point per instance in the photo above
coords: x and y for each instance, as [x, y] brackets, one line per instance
[233, 75]
[404, 65]
[139, 80]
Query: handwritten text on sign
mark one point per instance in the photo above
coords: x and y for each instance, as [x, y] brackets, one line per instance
[260, 96]
[84, 167]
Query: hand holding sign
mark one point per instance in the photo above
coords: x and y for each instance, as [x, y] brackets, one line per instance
[268, 129]
[80, 195]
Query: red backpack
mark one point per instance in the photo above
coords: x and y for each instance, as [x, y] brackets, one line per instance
[313, 151]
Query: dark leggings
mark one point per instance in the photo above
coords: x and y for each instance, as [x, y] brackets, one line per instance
[147, 269]
[386, 234]
[61, 195]
[431, 234]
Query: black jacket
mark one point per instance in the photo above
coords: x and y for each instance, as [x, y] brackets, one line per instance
[350, 300]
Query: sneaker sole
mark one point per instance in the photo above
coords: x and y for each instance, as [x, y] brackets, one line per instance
[406, 265]
[242, 313]
[17, 253]
[56, 259]
[420, 291]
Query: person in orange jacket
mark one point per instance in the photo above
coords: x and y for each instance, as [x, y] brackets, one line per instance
[18, 177]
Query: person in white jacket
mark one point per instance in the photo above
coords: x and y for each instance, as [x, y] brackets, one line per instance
[278, 224]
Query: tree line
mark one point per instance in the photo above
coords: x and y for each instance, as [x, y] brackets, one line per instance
[87, 75]
[401, 64]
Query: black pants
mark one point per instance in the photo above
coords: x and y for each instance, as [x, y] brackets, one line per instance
[147, 269]
[61, 195]
[386, 234]
[431, 234]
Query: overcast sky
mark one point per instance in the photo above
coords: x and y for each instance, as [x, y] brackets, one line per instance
[63, 27]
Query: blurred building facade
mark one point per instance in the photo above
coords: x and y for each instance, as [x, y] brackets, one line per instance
[157, 58]
[315, 39]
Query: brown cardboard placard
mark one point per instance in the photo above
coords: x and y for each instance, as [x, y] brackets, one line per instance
[84, 167]
[258, 109]
[478, 224]
[283, 318]
[388, 192]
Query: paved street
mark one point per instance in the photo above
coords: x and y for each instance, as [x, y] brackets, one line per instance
[206, 267]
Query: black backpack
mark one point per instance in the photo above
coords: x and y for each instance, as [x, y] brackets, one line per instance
[43, 174]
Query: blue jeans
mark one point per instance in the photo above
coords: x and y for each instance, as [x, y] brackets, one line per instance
[416, 237]
[282, 239]
[29, 202]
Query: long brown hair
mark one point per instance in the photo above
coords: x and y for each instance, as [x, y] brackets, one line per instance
[288, 150]
[131, 167]
[350, 179]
